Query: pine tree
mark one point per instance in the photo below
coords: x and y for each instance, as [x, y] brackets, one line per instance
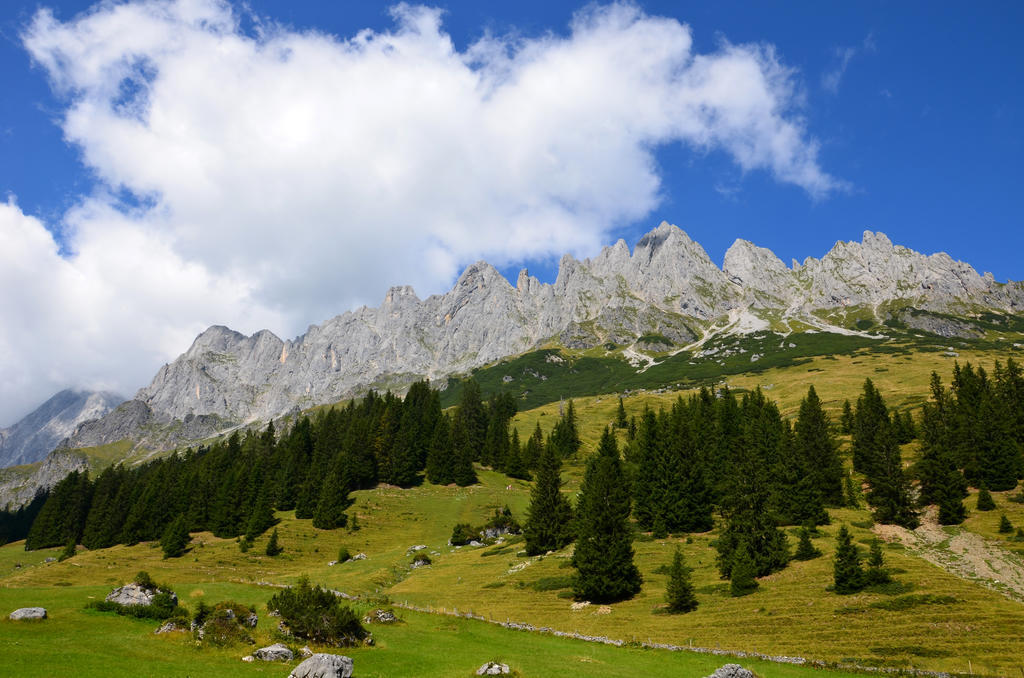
[603, 558]
[876, 572]
[334, 499]
[534, 448]
[176, 538]
[985, 501]
[846, 419]
[679, 593]
[817, 450]
[261, 518]
[549, 518]
[847, 573]
[273, 548]
[1005, 526]
[620, 418]
[741, 577]
[440, 462]
[514, 466]
[463, 473]
[942, 482]
[805, 549]
[870, 424]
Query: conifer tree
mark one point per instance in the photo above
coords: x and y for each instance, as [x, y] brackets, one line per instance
[565, 434]
[876, 572]
[261, 518]
[463, 473]
[846, 419]
[273, 547]
[534, 448]
[514, 466]
[334, 498]
[942, 482]
[440, 460]
[741, 577]
[620, 418]
[848, 575]
[1005, 526]
[985, 501]
[603, 558]
[549, 518]
[870, 425]
[817, 450]
[175, 538]
[679, 593]
[805, 549]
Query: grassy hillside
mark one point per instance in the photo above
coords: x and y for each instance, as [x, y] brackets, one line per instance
[933, 620]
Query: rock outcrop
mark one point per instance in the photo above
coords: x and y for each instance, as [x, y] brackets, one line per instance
[667, 287]
[323, 665]
[134, 594]
[278, 652]
[732, 671]
[25, 613]
[38, 433]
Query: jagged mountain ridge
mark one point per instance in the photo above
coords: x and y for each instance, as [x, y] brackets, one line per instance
[667, 285]
[36, 434]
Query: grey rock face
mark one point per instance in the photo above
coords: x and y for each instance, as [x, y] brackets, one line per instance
[38, 433]
[24, 613]
[18, 486]
[668, 285]
[133, 594]
[323, 665]
[278, 652]
[732, 671]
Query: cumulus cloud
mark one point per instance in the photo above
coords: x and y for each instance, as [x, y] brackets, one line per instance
[285, 175]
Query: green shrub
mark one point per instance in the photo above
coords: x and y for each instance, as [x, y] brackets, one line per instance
[316, 614]
[344, 555]
[462, 534]
[551, 583]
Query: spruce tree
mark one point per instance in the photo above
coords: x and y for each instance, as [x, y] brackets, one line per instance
[818, 451]
[1005, 526]
[805, 549]
[985, 501]
[549, 518]
[603, 558]
[876, 572]
[273, 547]
[846, 419]
[440, 460]
[679, 592]
[741, 577]
[870, 424]
[334, 498]
[176, 538]
[847, 573]
[620, 418]
[514, 466]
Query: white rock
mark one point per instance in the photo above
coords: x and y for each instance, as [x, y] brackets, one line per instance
[24, 613]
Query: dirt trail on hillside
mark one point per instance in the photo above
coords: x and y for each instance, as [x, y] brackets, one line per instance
[962, 553]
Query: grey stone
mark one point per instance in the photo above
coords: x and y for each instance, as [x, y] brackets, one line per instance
[133, 594]
[23, 613]
[493, 669]
[731, 671]
[278, 652]
[323, 665]
[380, 617]
[170, 625]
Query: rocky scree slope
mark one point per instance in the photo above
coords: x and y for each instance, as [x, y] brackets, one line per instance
[666, 286]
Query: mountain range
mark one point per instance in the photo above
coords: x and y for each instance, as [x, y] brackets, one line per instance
[35, 436]
[664, 296]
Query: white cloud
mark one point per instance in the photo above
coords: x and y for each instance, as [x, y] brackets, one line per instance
[830, 80]
[290, 176]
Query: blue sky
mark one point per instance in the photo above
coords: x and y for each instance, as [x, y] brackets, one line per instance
[899, 117]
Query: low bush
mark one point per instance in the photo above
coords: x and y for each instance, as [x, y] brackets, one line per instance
[316, 614]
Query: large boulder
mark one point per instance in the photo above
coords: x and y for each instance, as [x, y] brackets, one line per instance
[732, 671]
[324, 666]
[133, 594]
[278, 652]
[28, 613]
[493, 669]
